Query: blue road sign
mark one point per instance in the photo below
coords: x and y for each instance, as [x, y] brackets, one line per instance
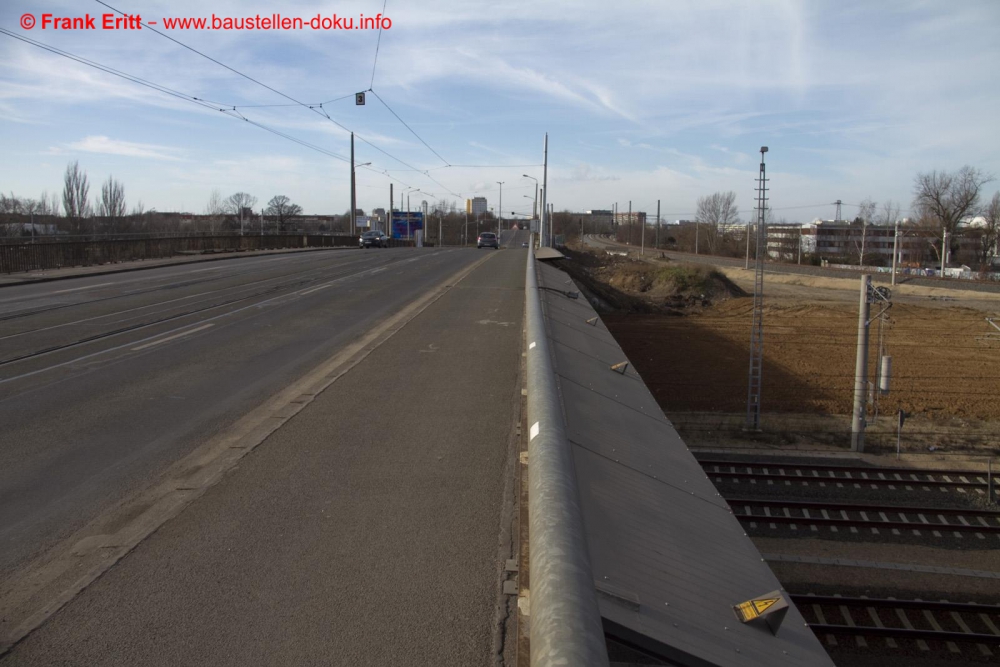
[403, 227]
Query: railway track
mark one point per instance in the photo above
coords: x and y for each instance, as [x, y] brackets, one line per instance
[854, 517]
[845, 476]
[956, 628]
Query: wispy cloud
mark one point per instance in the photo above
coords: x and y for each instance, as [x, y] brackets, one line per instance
[108, 146]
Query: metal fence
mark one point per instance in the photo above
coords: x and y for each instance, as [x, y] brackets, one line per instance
[16, 257]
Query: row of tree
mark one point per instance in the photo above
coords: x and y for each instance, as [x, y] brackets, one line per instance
[108, 214]
[945, 205]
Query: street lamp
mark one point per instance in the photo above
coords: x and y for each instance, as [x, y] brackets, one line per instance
[409, 233]
[354, 194]
[500, 219]
[534, 206]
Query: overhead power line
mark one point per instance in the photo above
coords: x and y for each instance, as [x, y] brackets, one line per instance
[412, 131]
[318, 109]
[486, 166]
[167, 91]
[377, 45]
[315, 109]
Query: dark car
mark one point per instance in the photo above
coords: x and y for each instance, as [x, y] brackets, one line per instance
[373, 239]
[488, 240]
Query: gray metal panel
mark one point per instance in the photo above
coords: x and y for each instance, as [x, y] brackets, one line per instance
[668, 557]
[548, 253]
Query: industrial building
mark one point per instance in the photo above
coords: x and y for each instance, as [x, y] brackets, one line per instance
[476, 206]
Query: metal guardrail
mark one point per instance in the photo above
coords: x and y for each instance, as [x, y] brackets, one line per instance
[566, 627]
[22, 256]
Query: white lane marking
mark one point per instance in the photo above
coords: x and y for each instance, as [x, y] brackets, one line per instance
[124, 345]
[77, 289]
[531, 347]
[334, 282]
[217, 268]
[169, 338]
[534, 431]
[314, 289]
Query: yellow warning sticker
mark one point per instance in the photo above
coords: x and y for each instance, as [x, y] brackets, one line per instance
[751, 609]
[746, 611]
[763, 605]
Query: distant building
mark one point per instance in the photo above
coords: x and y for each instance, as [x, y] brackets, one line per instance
[601, 216]
[635, 217]
[476, 205]
[841, 241]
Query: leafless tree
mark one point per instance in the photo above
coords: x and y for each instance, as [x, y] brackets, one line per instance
[48, 204]
[9, 205]
[889, 214]
[943, 199]
[76, 190]
[10, 209]
[215, 209]
[112, 206]
[282, 209]
[240, 206]
[716, 214]
[866, 216]
[991, 231]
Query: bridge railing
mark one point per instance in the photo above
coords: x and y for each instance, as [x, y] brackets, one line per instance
[566, 627]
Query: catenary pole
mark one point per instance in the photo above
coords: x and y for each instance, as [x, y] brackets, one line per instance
[657, 224]
[895, 253]
[353, 202]
[543, 227]
[861, 370]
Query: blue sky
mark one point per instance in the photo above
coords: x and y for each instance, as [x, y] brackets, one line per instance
[642, 101]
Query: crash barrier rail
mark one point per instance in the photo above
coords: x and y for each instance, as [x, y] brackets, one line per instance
[16, 257]
[566, 627]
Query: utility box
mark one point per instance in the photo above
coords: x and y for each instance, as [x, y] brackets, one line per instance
[884, 374]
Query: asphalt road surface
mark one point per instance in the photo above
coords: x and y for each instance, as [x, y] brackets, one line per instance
[363, 531]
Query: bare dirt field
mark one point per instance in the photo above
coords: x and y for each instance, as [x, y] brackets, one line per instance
[687, 330]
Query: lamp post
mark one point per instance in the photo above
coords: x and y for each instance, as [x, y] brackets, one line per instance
[353, 204]
[409, 233]
[500, 219]
[534, 206]
[354, 198]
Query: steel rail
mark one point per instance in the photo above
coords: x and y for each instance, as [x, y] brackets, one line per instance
[881, 523]
[862, 507]
[905, 633]
[300, 280]
[843, 468]
[20, 314]
[885, 603]
[848, 480]
[566, 626]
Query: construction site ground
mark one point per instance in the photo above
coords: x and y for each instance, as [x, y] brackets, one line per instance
[686, 329]
[692, 350]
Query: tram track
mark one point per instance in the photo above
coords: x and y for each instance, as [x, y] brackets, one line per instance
[309, 279]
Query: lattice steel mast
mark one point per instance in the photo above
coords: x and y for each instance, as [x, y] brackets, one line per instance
[757, 328]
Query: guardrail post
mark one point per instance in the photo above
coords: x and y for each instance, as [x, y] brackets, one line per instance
[566, 626]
